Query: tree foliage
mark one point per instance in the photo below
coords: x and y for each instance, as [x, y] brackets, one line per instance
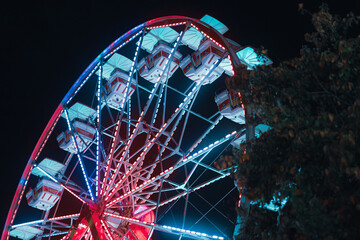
[312, 152]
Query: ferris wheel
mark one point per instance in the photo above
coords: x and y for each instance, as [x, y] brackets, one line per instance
[129, 152]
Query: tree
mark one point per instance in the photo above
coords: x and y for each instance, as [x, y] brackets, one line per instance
[312, 153]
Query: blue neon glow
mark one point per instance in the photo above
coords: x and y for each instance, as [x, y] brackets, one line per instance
[27, 223]
[47, 174]
[180, 230]
[273, 205]
[251, 59]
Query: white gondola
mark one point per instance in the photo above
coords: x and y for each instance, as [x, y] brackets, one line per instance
[25, 232]
[248, 57]
[152, 67]
[228, 103]
[81, 118]
[116, 72]
[197, 66]
[158, 43]
[45, 195]
[83, 137]
[118, 90]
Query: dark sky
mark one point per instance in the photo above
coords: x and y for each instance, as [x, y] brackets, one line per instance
[45, 47]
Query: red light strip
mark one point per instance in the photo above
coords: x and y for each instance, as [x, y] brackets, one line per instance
[110, 156]
[64, 217]
[167, 25]
[232, 66]
[242, 105]
[87, 233]
[107, 231]
[66, 236]
[240, 194]
[48, 135]
[72, 193]
[132, 220]
[207, 36]
[21, 195]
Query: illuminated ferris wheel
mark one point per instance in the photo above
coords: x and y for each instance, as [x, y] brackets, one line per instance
[129, 152]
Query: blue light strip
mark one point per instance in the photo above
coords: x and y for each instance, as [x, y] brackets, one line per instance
[27, 223]
[98, 131]
[171, 55]
[129, 116]
[55, 234]
[192, 233]
[131, 73]
[78, 155]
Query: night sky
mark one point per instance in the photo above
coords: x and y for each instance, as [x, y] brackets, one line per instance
[46, 46]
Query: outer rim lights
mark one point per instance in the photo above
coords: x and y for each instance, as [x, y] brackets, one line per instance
[167, 25]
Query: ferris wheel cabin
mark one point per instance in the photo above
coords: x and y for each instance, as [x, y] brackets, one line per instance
[45, 195]
[81, 117]
[197, 65]
[117, 87]
[26, 232]
[228, 103]
[152, 66]
[158, 43]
